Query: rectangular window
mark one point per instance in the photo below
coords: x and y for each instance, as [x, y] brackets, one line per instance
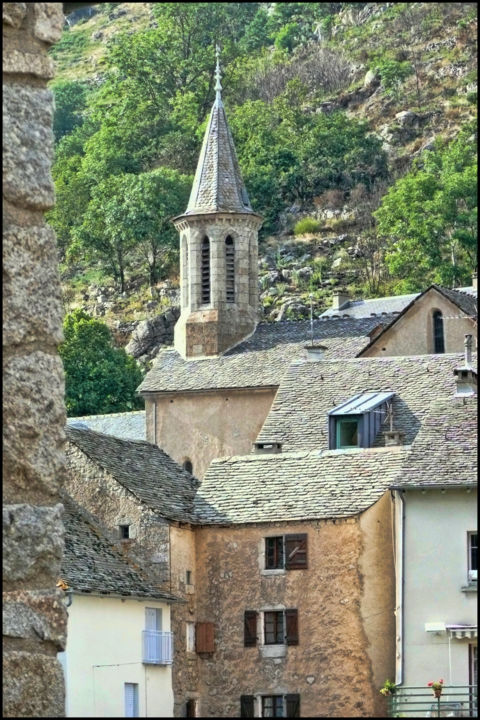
[124, 531]
[287, 552]
[272, 706]
[250, 628]
[188, 577]
[472, 555]
[153, 619]
[191, 709]
[346, 432]
[274, 625]
[131, 700]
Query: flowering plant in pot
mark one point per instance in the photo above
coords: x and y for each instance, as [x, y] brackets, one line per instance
[437, 687]
[389, 688]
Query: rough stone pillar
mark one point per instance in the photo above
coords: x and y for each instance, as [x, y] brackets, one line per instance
[34, 620]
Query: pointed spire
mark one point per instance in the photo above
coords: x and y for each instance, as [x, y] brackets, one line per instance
[218, 184]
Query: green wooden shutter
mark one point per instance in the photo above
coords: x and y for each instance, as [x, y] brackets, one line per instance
[296, 551]
[293, 705]
[250, 628]
[291, 621]
[246, 706]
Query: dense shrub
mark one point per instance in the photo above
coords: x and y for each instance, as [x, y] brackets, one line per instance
[306, 225]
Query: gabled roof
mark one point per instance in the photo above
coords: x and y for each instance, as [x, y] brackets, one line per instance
[298, 417]
[295, 486]
[262, 359]
[126, 425]
[143, 469]
[218, 184]
[371, 306]
[465, 301]
[444, 452]
[94, 563]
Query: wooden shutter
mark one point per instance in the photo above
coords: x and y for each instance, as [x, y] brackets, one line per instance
[246, 706]
[250, 628]
[204, 637]
[293, 705]
[291, 621]
[131, 700]
[296, 551]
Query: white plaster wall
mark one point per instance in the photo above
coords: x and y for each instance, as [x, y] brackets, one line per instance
[104, 651]
[436, 568]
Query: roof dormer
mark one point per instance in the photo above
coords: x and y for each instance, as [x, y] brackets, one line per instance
[356, 422]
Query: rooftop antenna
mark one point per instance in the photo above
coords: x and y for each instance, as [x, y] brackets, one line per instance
[311, 316]
[218, 87]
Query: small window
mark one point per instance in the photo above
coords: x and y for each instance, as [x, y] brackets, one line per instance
[272, 706]
[124, 531]
[188, 577]
[346, 432]
[274, 553]
[472, 556]
[187, 465]
[131, 699]
[191, 709]
[274, 626]
[287, 552]
[230, 269]
[438, 334]
[205, 271]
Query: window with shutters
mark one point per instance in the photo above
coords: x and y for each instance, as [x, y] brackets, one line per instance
[230, 269]
[131, 699]
[270, 705]
[204, 637]
[205, 271]
[279, 627]
[288, 552]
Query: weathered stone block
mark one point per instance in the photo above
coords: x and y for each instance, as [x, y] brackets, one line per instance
[28, 63]
[25, 321]
[32, 544]
[13, 13]
[33, 686]
[27, 146]
[49, 21]
[39, 615]
[33, 427]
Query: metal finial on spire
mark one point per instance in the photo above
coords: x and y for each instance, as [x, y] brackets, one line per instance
[218, 87]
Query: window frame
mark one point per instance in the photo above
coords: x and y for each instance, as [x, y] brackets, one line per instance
[347, 420]
[122, 528]
[279, 628]
[472, 555]
[274, 698]
[135, 699]
[284, 554]
[438, 328]
[275, 546]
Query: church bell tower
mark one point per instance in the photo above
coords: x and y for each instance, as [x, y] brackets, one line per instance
[218, 248]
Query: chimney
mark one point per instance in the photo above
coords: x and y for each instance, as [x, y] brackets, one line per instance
[393, 437]
[266, 448]
[315, 352]
[474, 280]
[339, 299]
[466, 377]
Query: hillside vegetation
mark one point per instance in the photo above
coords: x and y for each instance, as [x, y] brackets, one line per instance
[354, 125]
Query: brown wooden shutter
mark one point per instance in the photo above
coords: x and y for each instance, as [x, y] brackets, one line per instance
[204, 637]
[296, 551]
[250, 628]
[291, 621]
[246, 706]
[293, 705]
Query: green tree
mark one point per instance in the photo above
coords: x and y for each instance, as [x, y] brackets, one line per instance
[70, 101]
[429, 217]
[99, 378]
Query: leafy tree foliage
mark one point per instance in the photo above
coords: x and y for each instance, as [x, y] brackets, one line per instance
[99, 378]
[70, 102]
[429, 217]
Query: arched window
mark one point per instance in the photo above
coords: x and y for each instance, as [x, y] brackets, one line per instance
[205, 271]
[230, 269]
[187, 465]
[438, 334]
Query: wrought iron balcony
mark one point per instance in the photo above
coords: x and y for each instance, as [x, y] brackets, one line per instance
[157, 647]
[417, 702]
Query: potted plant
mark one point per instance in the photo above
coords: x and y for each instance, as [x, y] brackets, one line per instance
[437, 687]
[389, 688]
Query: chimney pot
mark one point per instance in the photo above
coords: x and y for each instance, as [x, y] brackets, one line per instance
[393, 437]
[468, 350]
[267, 448]
[315, 352]
[339, 299]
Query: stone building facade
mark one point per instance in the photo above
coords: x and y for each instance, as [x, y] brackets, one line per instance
[34, 413]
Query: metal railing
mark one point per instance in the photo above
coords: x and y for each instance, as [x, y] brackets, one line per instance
[455, 701]
[157, 647]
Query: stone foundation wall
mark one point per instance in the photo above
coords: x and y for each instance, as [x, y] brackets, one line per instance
[33, 413]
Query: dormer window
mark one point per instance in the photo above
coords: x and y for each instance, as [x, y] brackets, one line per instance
[356, 422]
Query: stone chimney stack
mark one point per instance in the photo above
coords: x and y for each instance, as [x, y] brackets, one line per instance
[339, 299]
[315, 352]
[466, 377]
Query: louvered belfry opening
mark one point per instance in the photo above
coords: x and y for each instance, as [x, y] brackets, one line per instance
[230, 269]
[205, 271]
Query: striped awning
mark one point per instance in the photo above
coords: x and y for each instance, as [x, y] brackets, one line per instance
[462, 631]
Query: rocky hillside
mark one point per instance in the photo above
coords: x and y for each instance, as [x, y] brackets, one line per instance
[407, 69]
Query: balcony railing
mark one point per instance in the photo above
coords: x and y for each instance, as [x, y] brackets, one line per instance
[455, 701]
[157, 647]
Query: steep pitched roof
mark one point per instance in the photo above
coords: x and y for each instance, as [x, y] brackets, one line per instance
[295, 486]
[444, 452]
[298, 416]
[218, 184]
[126, 425]
[143, 469]
[93, 562]
[465, 301]
[262, 359]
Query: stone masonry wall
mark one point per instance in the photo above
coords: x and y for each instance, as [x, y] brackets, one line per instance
[331, 667]
[34, 623]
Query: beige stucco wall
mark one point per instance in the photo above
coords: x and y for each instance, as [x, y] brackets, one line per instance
[412, 334]
[203, 426]
[436, 569]
[332, 668]
[104, 651]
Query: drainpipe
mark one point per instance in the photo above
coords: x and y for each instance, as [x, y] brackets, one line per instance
[400, 631]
